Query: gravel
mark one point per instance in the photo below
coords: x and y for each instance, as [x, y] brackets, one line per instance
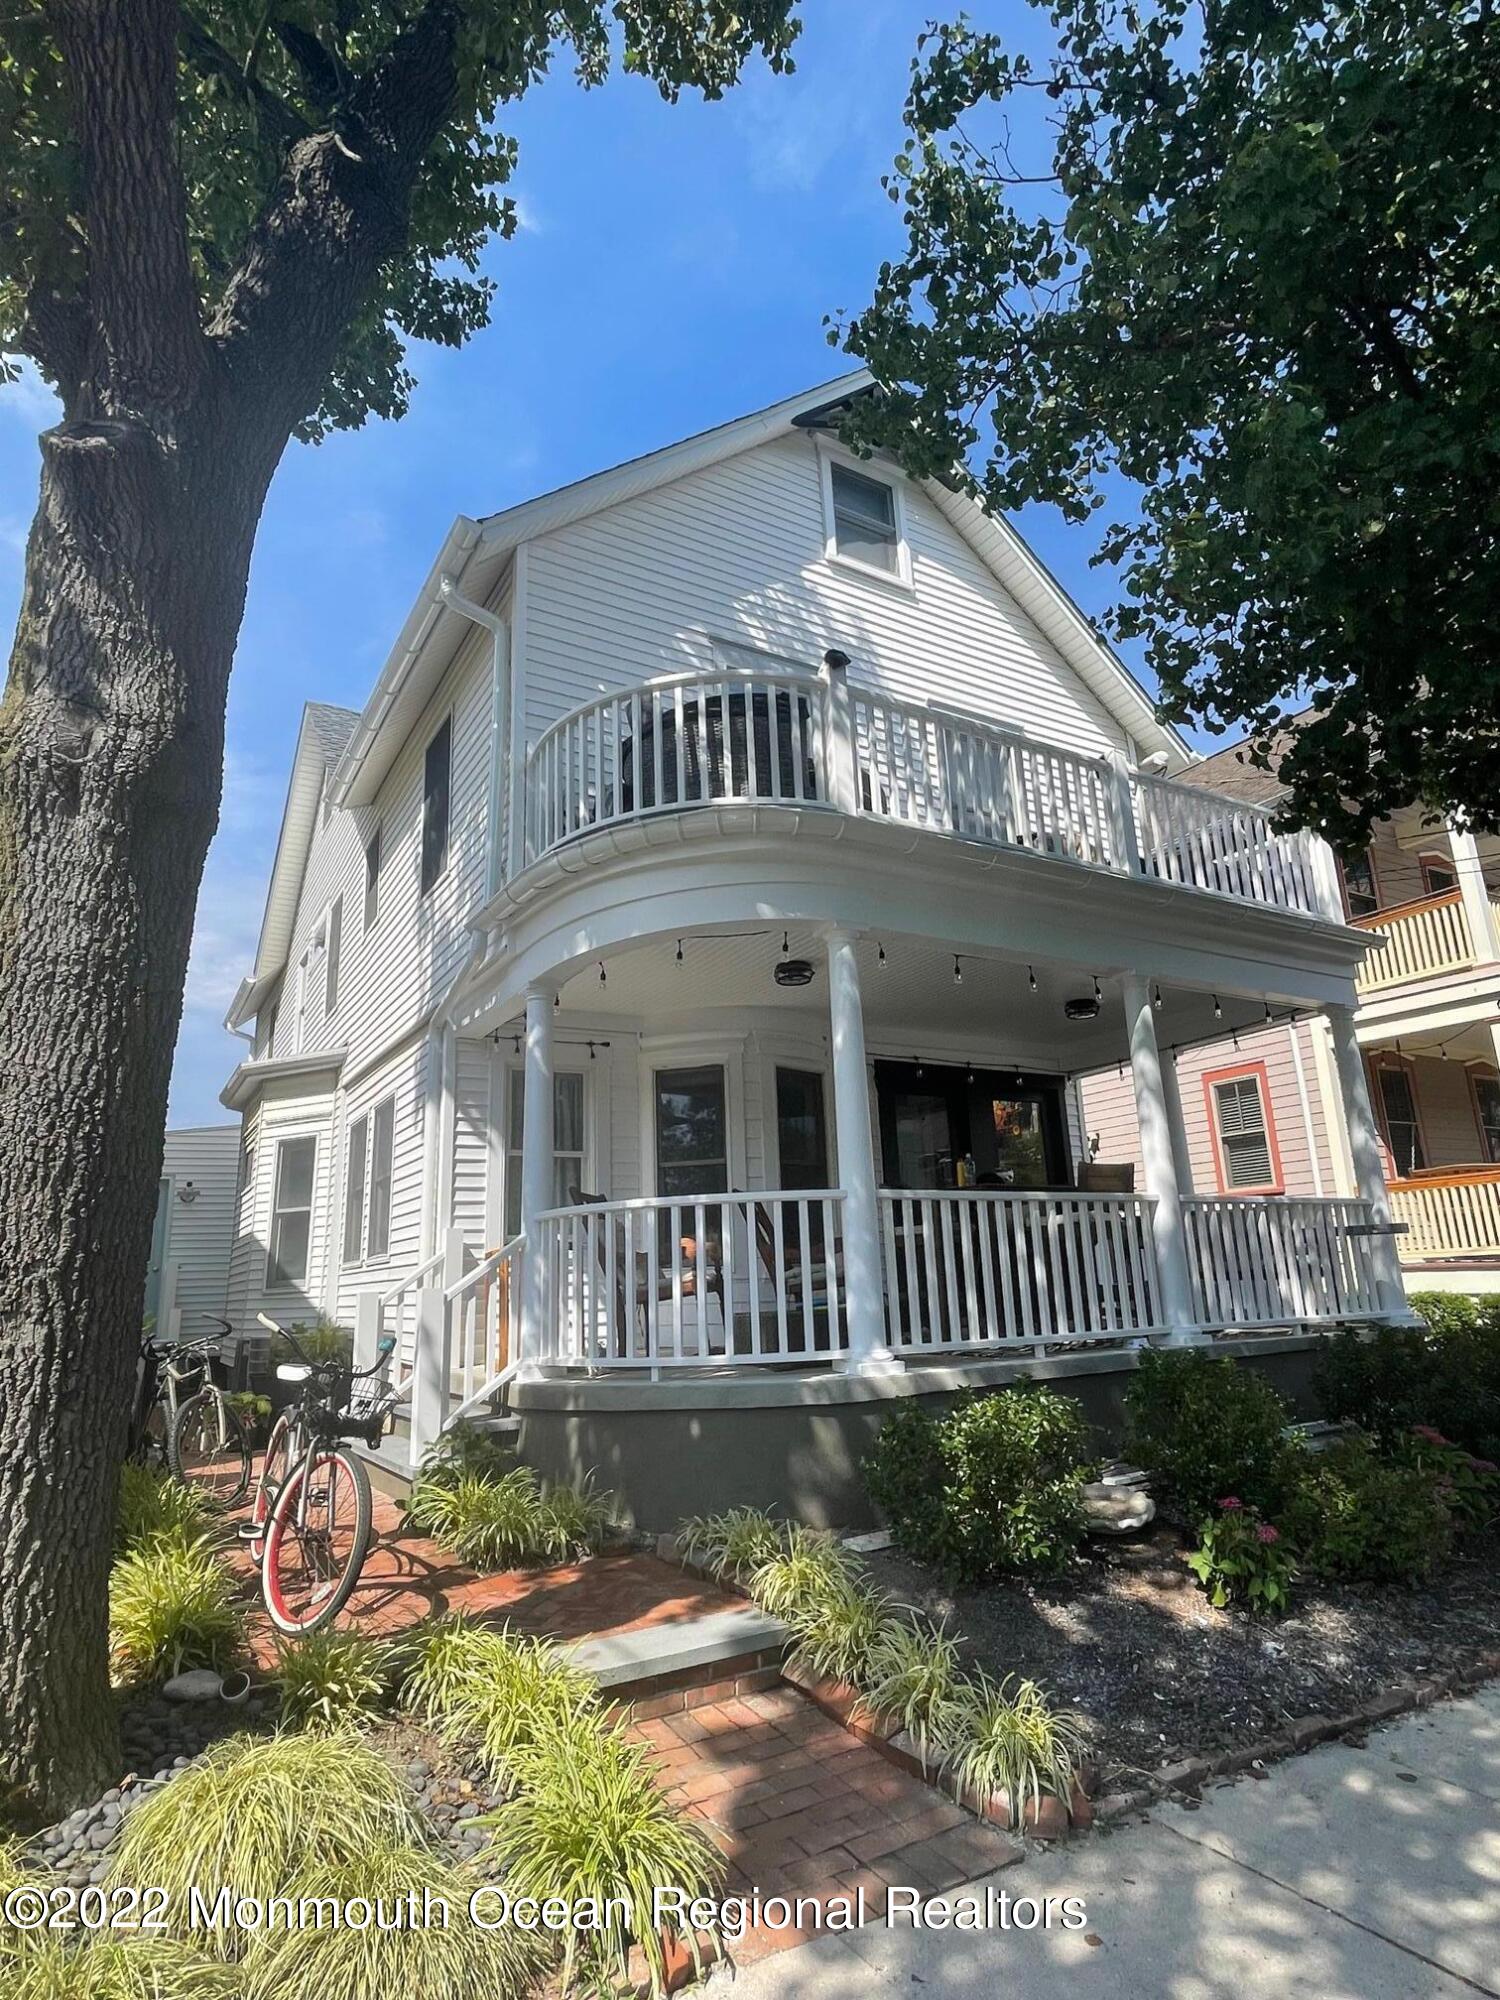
[1128, 1641]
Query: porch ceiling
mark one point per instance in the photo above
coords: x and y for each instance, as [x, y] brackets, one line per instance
[912, 1002]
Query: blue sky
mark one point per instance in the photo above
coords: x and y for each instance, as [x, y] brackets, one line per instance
[672, 270]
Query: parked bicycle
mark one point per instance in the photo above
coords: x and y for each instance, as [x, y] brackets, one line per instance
[310, 1524]
[186, 1422]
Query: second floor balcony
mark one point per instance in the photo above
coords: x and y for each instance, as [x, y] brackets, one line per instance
[1425, 939]
[813, 742]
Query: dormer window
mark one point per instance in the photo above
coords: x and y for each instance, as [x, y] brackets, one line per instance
[865, 529]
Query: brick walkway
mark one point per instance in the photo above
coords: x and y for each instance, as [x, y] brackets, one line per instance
[407, 1578]
[802, 1808]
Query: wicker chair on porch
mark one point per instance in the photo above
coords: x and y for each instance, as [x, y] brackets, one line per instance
[713, 1272]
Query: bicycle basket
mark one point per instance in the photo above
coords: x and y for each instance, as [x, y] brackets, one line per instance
[370, 1405]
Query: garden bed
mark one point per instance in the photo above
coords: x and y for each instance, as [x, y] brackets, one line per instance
[1126, 1639]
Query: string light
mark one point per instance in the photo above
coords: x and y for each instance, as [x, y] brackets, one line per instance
[1031, 977]
[958, 971]
[679, 951]
[1269, 1016]
[603, 978]
[591, 1052]
[969, 1078]
[785, 947]
[1218, 1010]
[921, 1071]
[1156, 997]
[880, 961]
[1098, 990]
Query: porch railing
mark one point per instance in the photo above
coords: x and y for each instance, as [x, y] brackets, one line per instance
[1207, 841]
[705, 1281]
[1450, 1214]
[1428, 936]
[791, 738]
[1275, 1262]
[970, 1269]
[480, 1309]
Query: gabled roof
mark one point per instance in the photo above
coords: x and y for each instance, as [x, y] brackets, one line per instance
[475, 553]
[1230, 771]
[321, 741]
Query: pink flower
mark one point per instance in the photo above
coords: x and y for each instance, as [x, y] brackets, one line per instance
[1428, 1434]
[1267, 1534]
[1483, 1465]
[1230, 1505]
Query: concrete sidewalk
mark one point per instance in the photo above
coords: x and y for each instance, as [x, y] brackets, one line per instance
[1347, 1874]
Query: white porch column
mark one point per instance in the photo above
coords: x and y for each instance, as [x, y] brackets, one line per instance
[1171, 1091]
[1477, 905]
[536, 1177]
[1164, 1178]
[864, 1293]
[1364, 1152]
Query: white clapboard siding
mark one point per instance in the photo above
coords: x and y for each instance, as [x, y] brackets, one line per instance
[403, 1079]
[471, 1139]
[736, 552]
[287, 1109]
[200, 1232]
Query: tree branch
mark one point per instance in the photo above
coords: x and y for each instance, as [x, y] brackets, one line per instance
[120, 57]
[280, 123]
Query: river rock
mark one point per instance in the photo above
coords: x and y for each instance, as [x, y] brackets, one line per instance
[1117, 1510]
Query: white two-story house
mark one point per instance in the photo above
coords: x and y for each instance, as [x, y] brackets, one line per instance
[672, 984]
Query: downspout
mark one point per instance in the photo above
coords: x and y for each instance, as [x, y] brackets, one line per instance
[499, 783]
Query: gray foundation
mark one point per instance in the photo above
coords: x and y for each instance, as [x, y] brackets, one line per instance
[792, 1442]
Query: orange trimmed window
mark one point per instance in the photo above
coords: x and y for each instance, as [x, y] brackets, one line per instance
[1247, 1159]
[1438, 874]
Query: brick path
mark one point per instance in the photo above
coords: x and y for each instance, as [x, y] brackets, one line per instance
[407, 1578]
[800, 1807]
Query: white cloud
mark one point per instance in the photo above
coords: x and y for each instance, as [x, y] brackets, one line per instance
[528, 216]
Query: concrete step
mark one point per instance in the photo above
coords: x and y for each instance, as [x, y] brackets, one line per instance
[651, 1659]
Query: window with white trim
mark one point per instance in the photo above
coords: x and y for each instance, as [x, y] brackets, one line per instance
[568, 1149]
[354, 1188]
[332, 958]
[865, 528]
[372, 879]
[382, 1147]
[437, 786]
[1486, 1090]
[1242, 1129]
[291, 1212]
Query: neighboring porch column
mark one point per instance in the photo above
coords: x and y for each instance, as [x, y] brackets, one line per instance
[1364, 1152]
[1164, 1176]
[1477, 905]
[536, 1176]
[864, 1292]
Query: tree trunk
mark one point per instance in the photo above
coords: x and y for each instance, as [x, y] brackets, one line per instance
[111, 750]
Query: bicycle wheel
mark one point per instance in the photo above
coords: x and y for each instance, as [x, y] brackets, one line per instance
[275, 1464]
[316, 1542]
[207, 1448]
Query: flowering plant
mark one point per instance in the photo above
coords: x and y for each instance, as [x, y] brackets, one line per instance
[1468, 1487]
[1242, 1559]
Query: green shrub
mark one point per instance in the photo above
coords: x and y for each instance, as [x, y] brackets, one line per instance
[492, 1523]
[1014, 1744]
[993, 1486]
[466, 1450]
[1469, 1487]
[456, 1961]
[1241, 1559]
[1206, 1428]
[103, 1967]
[1351, 1516]
[912, 1672]
[253, 1411]
[731, 1546]
[1445, 1374]
[172, 1606]
[152, 1504]
[14, 1944]
[801, 1575]
[321, 1341]
[585, 1819]
[251, 1811]
[488, 1688]
[838, 1632]
[331, 1678]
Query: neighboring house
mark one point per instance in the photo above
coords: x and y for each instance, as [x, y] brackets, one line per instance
[672, 982]
[1262, 1110]
[187, 1280]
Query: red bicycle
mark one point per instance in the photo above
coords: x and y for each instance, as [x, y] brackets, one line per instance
[310, 1529]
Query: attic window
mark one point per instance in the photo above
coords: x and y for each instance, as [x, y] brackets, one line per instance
[865, 527]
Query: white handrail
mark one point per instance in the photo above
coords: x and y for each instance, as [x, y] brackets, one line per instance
[697, 1280]
[1279, 1261]
[980, 1268]
[478, 1313]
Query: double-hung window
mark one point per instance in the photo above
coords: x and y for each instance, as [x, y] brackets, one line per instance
[372, 879]
[1397, 1101]
[1244, 1136]
[567, 1141]
[1486, 1090]
[291, 1212]
[801, 1128]
[865, 529]
[367, 1184]
[332, 958]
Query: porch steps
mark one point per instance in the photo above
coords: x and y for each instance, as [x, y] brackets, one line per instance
[388, 1462]
[683, 1662]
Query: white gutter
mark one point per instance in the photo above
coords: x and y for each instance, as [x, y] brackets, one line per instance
[497, 803]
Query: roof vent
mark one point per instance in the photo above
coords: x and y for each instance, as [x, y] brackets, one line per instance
[1086, 1009]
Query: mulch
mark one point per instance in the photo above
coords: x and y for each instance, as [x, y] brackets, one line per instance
[1127, 1640]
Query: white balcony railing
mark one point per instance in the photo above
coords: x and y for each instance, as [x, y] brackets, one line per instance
[975, 1269]
[1423, 938]
[1450, 1214]
[704, 1281]
[1275, 1262]
[805, 740]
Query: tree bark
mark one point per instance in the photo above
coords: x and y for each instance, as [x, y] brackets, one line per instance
[111, 748]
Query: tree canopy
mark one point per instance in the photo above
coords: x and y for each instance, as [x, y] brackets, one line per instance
[254, 78]
[1253, 271]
